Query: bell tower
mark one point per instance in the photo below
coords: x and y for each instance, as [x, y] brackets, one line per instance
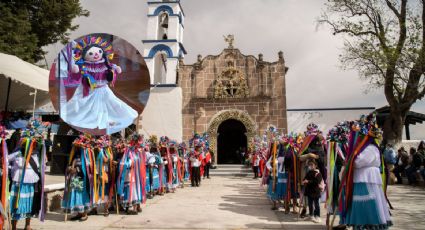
[163, 49]
[163, 46]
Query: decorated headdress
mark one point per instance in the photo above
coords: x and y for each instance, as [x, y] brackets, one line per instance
[84, 43]
[312, 129]
[182, 145]
[205, 140]
[35, 129]
[340, 133]
[195, 140]
[82, 46]
[153, 141]
[163, 141]
[172, 144]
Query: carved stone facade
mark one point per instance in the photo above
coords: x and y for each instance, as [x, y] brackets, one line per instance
[233, 86]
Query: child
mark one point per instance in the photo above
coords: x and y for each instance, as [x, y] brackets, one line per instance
[312, 190]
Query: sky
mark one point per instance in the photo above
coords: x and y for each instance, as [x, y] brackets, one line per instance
[315, 78]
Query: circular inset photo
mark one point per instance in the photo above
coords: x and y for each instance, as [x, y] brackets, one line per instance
[99, 84]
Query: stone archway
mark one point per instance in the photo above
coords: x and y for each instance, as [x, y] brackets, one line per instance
[224, 115]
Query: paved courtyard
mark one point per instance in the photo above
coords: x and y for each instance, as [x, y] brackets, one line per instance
[227, 202]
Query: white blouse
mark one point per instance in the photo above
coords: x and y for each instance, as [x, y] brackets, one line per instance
[16, 161]
[367, 166]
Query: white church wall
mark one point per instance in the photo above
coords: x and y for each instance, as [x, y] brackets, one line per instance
[163, 113]
[298, 120]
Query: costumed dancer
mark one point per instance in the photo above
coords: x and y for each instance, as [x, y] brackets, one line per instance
[27, 173]
[290, 146]
[154, 165]
[77, 183]
[150, 162]
[185, 158]
[276, 185]
[89, 84]
[129, 187]
[176, 164]
[336, 152]
[4, 185]
[103, 185]
[312, 147]
[168, 164]
[204, 151]
[362, 200]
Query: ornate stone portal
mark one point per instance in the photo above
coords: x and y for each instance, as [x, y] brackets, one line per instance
[222, 116]
[232, 85]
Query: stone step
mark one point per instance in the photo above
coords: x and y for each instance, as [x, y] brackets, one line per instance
[230, 166]
[228, 170]
[231, 170]
[229, 174]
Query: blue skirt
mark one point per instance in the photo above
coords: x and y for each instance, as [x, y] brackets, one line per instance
[368, 209]
[186, 172]
[155, 184]
[78, 201]
[136, 197]
[25, 203]
[280, 190]
[175, 179]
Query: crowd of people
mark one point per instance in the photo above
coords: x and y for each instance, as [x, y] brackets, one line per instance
[411, 165]
[104, 173]
[344, 169]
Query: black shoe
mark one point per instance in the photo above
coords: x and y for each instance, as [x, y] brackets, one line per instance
[77, 217]
[208, 178]
[93, 212]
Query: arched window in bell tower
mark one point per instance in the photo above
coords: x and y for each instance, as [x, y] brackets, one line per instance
[160, 67]
[163, 26]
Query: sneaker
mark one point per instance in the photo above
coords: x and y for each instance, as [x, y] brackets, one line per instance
[316, 219]
[319, 220]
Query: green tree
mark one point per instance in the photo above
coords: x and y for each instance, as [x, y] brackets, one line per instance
[385, 42]
[26, 26]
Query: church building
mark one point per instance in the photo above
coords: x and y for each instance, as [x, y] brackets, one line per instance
[231, 96]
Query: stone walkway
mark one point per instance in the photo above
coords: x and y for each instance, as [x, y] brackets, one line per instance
[230, 203]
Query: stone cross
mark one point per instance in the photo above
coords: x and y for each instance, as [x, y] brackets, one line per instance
[230, 38]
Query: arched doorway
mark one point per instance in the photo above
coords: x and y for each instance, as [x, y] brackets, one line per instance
[224, 115]
[231, 141]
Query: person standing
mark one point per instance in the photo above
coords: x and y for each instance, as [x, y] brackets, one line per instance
[390, 159]
[363, 204]
[255, 164]
[207, 164]
[195, 163]
[27, 176]
[312, 182]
